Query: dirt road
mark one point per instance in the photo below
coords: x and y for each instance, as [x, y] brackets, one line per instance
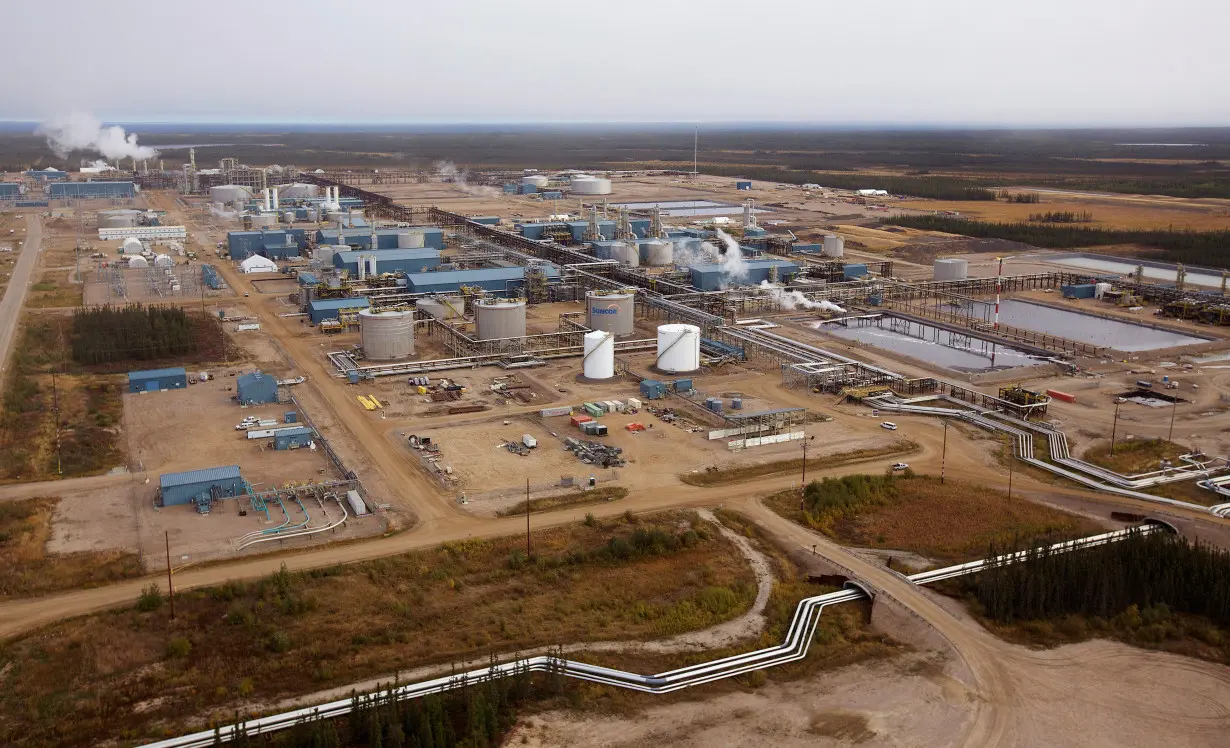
[19, 284]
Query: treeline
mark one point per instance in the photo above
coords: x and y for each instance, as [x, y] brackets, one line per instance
[1028, 198]
[833, 498]
[1143, 571]
[1191, 247]
[131, 333]
[1062, 216]
[475, 717]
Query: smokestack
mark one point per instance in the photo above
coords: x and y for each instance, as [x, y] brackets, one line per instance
[265, 200]
[274, 192]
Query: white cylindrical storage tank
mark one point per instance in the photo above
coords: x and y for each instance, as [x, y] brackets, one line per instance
[1100, 289]
[626, 253]
[333, 216]
[610, 311]
[443, 307]
[950, 268]
[678, 348]
[132, 246]
[288, 216]
[834, 246]
[299, 191]
[411, 239]
[599, 360]
[117, 219]
[591, 186]
[163, 261]
[538, 180]
[138, 262]
[229, 193]
[659, 253]
[312, 215]
[386, 336]
[499, 318]
[264, 221]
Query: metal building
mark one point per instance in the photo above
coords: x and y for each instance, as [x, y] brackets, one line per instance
[433, 238]
[711, 276]
[386, 336]
[157, 380]
[10, 191]
[65, 190]
[743, 185]
[293, 438]
[390, 260]
[499, 318]
[320, 310]
[275, 245]
[195, 486]
[256, 388]
[506, 281]
[610, 311]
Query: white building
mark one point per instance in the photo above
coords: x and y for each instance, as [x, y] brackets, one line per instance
[152, 233]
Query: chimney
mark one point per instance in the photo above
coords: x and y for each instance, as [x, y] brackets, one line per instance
[274, 192]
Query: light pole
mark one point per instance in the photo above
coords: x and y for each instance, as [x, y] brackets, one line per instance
[944, 453]
[803, 485]
[1174, 406]
[1113, 428]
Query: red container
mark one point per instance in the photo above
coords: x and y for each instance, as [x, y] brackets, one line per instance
[1056, 394]
[578, 420]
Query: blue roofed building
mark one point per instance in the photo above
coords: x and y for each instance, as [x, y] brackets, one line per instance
[91, 190]
[201, 486]
[320, 310]
[256, 388]
[433, 237]
[157, 380]
[275, 244]
[49, 174]
[10, 191]
[293, 438]
[709, 276]
[389, 260]
[499, 280]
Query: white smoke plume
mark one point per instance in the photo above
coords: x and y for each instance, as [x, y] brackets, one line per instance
[83, 132]
[791, 300]
[99, 164]
[733, 263]
[226, 215]
[449, 172]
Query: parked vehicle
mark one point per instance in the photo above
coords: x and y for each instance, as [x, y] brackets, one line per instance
[900, 466]
[889, 425]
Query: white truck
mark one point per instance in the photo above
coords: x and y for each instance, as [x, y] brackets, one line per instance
[529, 441]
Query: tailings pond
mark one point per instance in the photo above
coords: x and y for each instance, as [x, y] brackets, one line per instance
[951, 350]
[1086, 328]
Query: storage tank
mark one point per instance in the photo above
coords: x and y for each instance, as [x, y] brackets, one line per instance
[950, 268]
[678, 348]
[499, 318]
[117, 219]
[264, 221]
[163, 261]
[610, 311]
[411, 239]
[312, 215]
[599, 361]
[834, 246]
[324, 254]
[229, 193]
[386, 336]
[138, 262]
[1100, 289]
[626, 253]
[442, 307]
[298, 191]
[538, 180]
[659, 253]
[288, 216]
[591, 186]
[132, 246]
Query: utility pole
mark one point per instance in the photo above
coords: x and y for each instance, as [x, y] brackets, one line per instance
[1174, 406]
[1011, 460]
[944, 453]
[527, 519]
[170, 589]
[1114, 427]
[803, 485]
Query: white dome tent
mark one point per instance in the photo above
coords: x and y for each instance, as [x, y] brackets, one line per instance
[258, 264]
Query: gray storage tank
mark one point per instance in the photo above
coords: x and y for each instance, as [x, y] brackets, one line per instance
[386, 336]
[442, 307]
[659, 253]
[610, 311]
[950, 269]
[834, 246]
[499, 318]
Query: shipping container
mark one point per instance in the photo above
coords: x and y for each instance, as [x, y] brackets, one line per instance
[1064, 396]
[564, 410]
[529, 441]
[683, 385]
[1143, 384]
[578, 419]
[634, 404]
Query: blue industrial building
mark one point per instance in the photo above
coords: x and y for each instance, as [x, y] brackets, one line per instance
[577, 229]
[256, 388]
[320, 310]
[709, 277]
[743, 185]
[47, 175]
[807, 249]
[201, 486]
[853, 270]
[209, 276]
[157, 380]
[755, 231]
[486, 220]
[293, 438]
[9, 191]
[389, 260]
[276, 244]
[433, 238]
[499, 280]
[63, 190]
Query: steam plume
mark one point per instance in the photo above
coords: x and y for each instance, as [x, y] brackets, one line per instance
[83, 132]
[790, 300]
[450, 173]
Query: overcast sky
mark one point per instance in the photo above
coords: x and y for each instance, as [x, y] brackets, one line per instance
[981, 62]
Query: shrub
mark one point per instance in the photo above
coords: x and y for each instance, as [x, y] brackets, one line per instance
[178, 648]
[279, 641]
[589, 519]
[150, 599]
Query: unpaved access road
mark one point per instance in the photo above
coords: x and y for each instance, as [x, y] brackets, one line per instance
[19, 284]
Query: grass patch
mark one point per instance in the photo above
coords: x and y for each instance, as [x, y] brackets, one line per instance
[716, 477]
[576, 498]
[126, 674]
[53, 289]
[951, 522]
[26, 569]
[1133, 456]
